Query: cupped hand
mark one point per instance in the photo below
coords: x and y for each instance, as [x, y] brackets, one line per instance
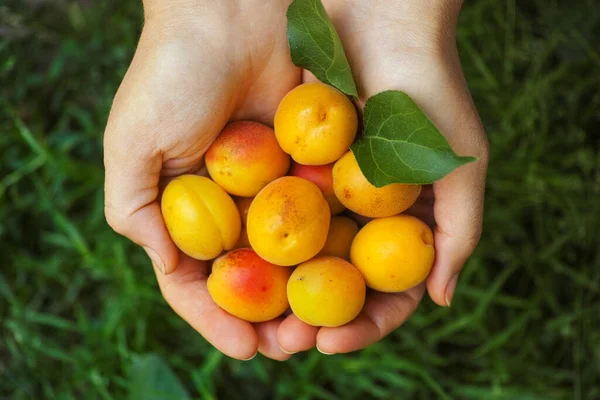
[197, 66]
[410, 45]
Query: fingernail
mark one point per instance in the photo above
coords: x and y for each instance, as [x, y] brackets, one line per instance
[287, 352]
[450, 289]
[324, 352]
[156, 260]
[248, 359]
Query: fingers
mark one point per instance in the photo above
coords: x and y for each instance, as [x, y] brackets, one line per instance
[186, 292]
[294, 335]
[382, 313]
[267, 340]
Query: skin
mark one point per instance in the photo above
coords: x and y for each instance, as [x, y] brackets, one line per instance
[315, 123]
[356, 193]
[194, 71]
[394, 253]
[249, 287]
[326, 291]
[288, 221]
[320, 175]
[245, 157]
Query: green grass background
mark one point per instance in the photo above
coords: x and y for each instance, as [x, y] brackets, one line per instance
[81, 315]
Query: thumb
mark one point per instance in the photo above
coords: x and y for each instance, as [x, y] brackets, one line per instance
[133, 169]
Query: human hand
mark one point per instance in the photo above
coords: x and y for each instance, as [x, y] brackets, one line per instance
[409, 45]
[198, 65]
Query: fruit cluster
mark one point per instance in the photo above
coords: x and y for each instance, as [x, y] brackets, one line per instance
[290, 247]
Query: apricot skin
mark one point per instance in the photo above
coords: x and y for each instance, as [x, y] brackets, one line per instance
[322, 176]
[201, 217]
[288, 221]
[243, 204]
[245, 157]
[326, 291]
[248, 287]
[315, 123]
[394, 253]
[357, 194]
[342, 231]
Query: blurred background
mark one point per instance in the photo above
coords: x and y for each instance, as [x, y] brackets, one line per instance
[81, 316]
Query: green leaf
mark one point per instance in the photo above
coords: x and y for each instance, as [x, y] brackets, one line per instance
[401, 145]
[316, 46]
[152, 379]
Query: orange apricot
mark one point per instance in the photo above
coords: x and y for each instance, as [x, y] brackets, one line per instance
[245, 157]
[288, 221]
[339, 239]
[357, 194]
[315, 123]
[394, 253]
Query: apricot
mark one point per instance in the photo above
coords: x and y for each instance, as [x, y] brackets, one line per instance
[339, 239]
[245, 157]
[243, 204]
[356, 193]
[200, 216]
[248, 287]
[288, 221]
[326, 291]
[394, 253]
[322, 176]
[315, 123]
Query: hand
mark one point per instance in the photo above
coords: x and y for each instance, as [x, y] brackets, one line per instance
[409, 45]
[198, 65]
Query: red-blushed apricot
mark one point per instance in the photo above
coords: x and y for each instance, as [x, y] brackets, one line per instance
[248, 287]
[394, 253]
[326, 291]
[315, 123]
[357, 194]
[288, 221]
[339, 239]
[320, 175]
[245, 157]
[201, 217]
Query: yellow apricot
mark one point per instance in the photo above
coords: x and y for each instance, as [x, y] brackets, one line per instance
[243, 204]
[200, 216]
[394, 253]
[288, 221]
[248, 287]
[245, 157]
[339, 239]
[315, 123]
[356, 193]
[326, 291]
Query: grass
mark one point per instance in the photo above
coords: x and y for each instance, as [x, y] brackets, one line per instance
[81, 315]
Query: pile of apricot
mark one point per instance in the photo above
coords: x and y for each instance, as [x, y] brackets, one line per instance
[271, 216]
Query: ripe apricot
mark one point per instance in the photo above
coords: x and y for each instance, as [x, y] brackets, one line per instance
[315, 123]
[288, 221]
[356, 193]
[326, 291]
[248, 287]
[200, 216]
[243, 204]
[245, 157]
[394, 253]
[339, 239]
[322, 176]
